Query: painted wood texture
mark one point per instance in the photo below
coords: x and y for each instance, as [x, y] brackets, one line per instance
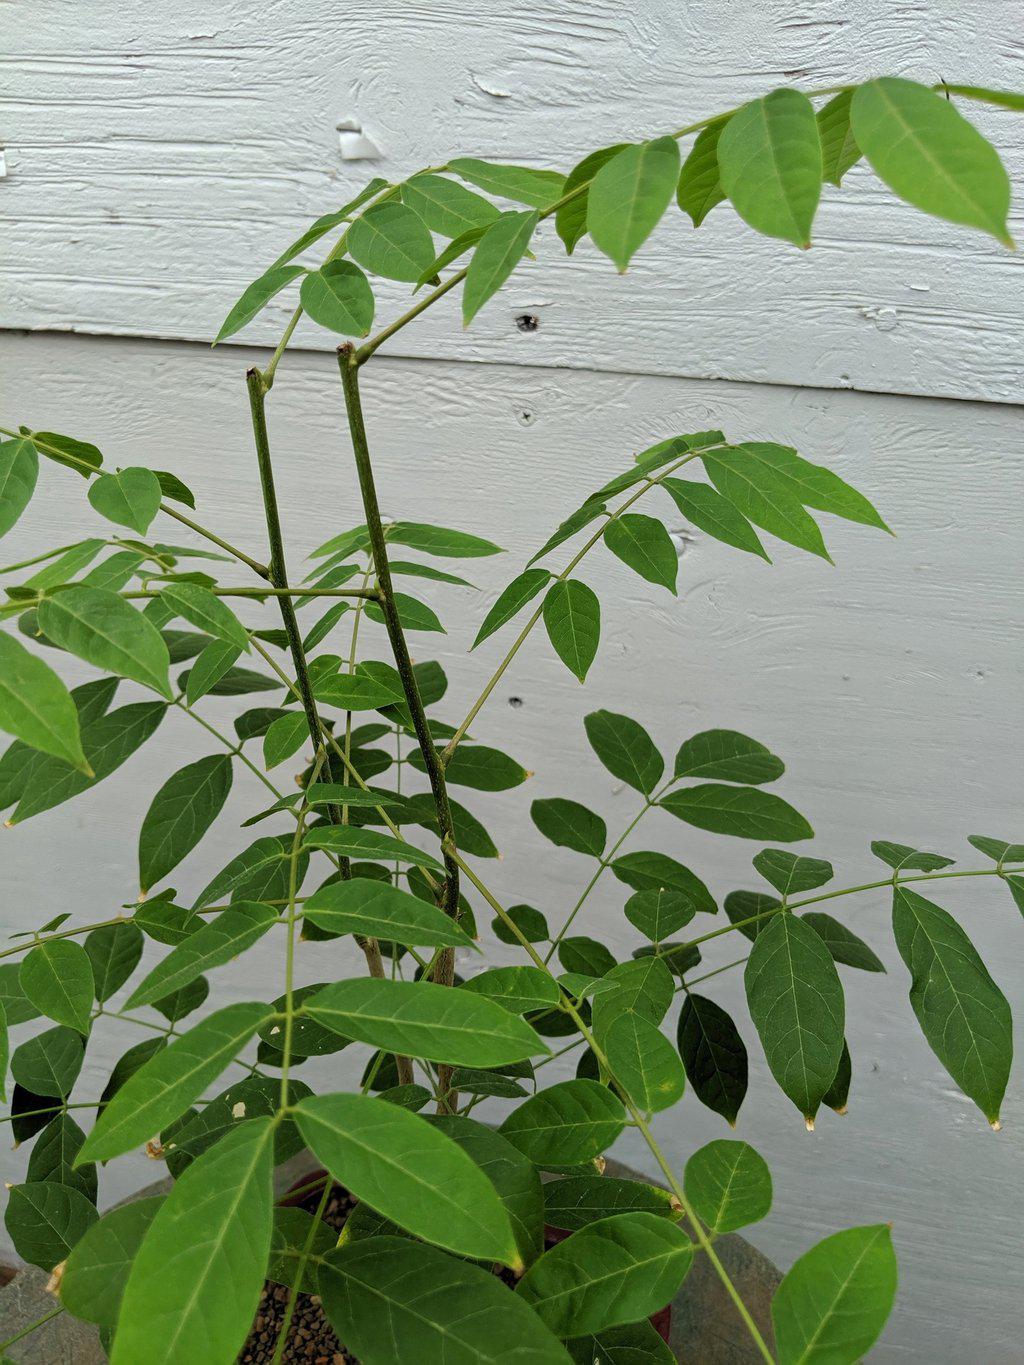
[891, 685]
[158, 158]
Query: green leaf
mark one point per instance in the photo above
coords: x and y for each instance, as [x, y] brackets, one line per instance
[580, 1200]
[511, 600]
[749, 911]
[96, 1272]
[209, 668]
[106, 631]
[17, 1006]
[769, 157]
[36, 707]
[447, 207]
[615, 1271]
[338, 296]
[518, 989]
[294, 1232]
[635, 1342]
[643, 545]
[53, 1157]
[729, 1185]
[644, 1062]
[626, 749]
[107, 741]
[997, 849]
[169, 1081]
[962, 1012]
[927, 153]
[833, 1303]
[359, 691]
[648, 871]
[207, 611]
[521, 184]
[450, 254]
[569, 1122]
[57, 978]
[839, 150]
[322, 225]
[494, 258]
[45, 1220]
[172, 487]
[530, 923]
[409, 1171]
[412, 613]
[5, 1051]
[130, 497]
[421, 1019]
[812, 485]
[700, 185]
[643, 987]
[479, 767]
[380, 910]
[710, 512]
[182, 811]
[790, 873]
[903, 858]
[48, 1064]
[225, 937]
[714, 1055]
[571, 218]
[764, 497]
[367, 843]
[389, 239]
[114, 951]
[838, 1092]
[572, 618]
[177, 1004]
[585, 956]
[844, 945]
[195, 1284]
[513, 1176]
[81, 456]
[590, 511]
[390, 1299]
[19, 470]
[727, 756]
[256, 296]
[441, 540]
[262, 857]
[744, 812]
[628, 196]
[284, 737]
[658, 914]
[796, 1002]
[570, 825]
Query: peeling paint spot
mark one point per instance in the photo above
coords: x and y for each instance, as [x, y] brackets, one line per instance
[486, 89]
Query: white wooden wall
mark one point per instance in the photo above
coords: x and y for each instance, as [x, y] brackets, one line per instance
[157, 159]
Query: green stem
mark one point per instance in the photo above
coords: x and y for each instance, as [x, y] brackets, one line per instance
[638, 1119]
[279, 578]
[32, 1327]
[232, 748]
[300, 1270]
[396, 635]
[289, 959]
[444, 972]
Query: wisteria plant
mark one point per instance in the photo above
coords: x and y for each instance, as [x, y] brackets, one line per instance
[369, 872]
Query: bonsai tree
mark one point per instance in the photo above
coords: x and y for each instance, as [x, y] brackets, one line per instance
[369, 877]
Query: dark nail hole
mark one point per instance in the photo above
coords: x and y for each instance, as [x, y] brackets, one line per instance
[515, 702]
[527, 322]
